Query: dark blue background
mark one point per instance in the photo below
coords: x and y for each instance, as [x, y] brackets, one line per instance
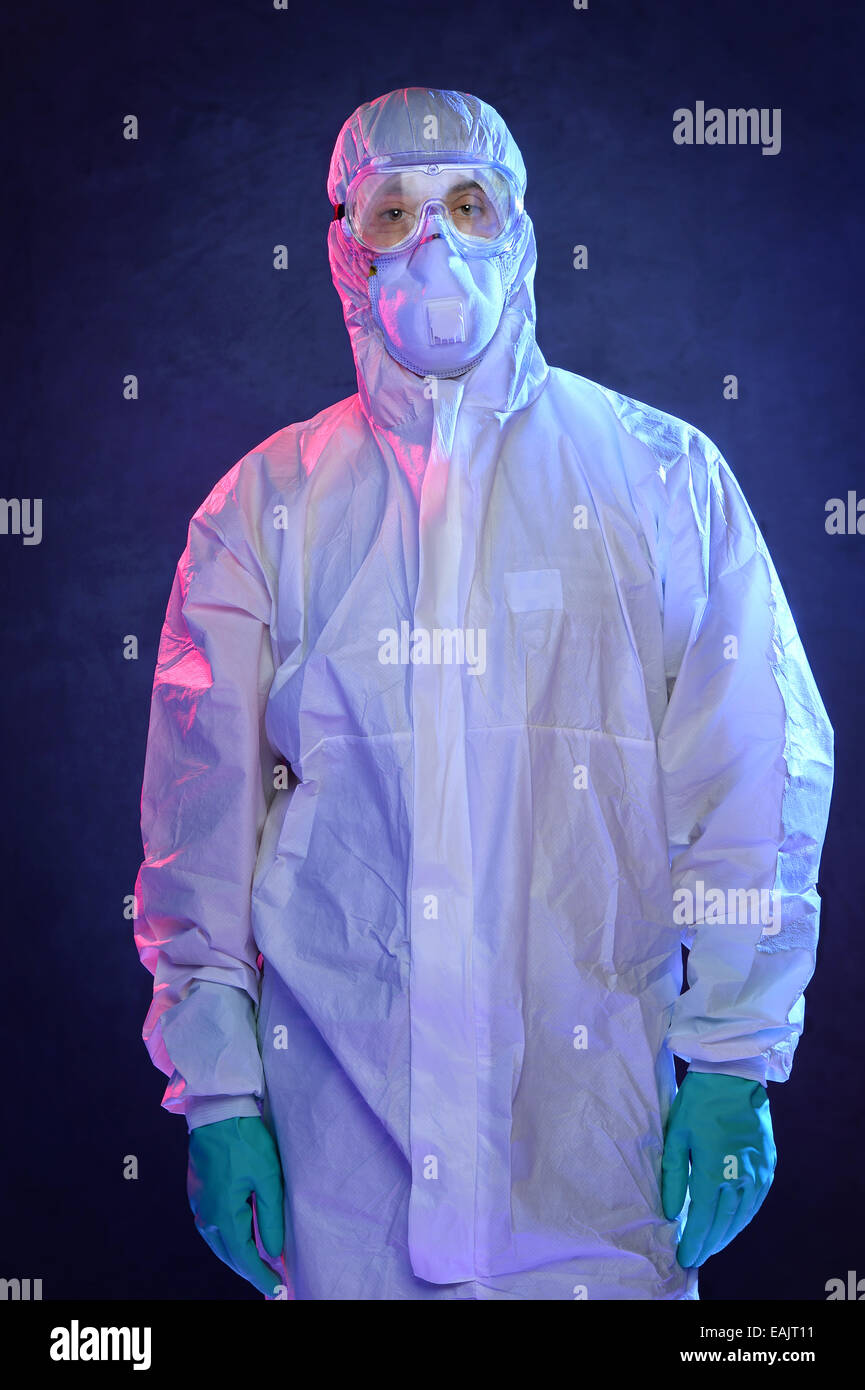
[155, 258]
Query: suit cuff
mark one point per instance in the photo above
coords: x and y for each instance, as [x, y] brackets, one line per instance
[750, 1068]
[207, 1110]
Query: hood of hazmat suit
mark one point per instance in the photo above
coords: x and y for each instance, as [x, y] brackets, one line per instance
[477, 696]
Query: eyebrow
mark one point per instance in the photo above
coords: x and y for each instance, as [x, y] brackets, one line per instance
[395, 184]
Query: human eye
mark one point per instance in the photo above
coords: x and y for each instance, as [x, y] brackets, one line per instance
[472, 214]
[390, 214]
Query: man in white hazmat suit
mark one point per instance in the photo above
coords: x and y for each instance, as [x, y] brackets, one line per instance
[521, 643]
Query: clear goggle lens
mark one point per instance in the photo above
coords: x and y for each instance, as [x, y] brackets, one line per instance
[386, 207]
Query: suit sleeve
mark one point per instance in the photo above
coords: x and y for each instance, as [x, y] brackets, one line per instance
[746, 756]
[207, 786]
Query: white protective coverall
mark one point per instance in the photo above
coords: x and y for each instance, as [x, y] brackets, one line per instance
[447, 959]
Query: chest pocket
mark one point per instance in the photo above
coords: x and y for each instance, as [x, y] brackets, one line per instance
[526, 591]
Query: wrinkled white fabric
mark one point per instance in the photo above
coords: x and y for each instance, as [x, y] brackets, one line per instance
[462, 1020]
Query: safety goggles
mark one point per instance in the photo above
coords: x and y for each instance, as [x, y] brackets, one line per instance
[391, 197]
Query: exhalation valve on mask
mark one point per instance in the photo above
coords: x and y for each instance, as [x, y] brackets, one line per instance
[446, 321]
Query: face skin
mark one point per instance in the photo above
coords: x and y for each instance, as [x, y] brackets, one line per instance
[387, 212]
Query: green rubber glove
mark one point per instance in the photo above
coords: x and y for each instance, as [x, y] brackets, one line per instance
[723, 1122]
[229, 1162]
